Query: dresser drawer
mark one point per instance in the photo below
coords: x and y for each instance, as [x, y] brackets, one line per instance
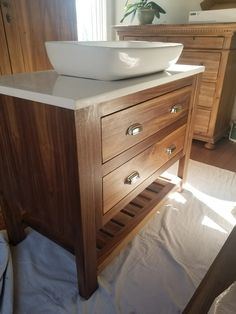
[211, 60]
[128, 127]
[201, 122]
[123, 180]
[200, 42]
[146, 38]
[207, 94]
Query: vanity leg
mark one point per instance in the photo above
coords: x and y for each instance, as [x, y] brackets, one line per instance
[182, 171]
[88, 131]
[12, 218]
[86, 261]
[184, 161]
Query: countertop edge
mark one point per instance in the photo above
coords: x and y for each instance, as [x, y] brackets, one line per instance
[175, 73]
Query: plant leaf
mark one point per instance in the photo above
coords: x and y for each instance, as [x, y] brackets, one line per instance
[156, 7]
[157, 14]
[127, 14]
[133, 15]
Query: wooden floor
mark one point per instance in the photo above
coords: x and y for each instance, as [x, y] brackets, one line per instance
[223, 156]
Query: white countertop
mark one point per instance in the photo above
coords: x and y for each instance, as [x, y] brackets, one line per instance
[74, 93]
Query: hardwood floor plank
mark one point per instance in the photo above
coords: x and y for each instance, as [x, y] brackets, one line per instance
[224, 156]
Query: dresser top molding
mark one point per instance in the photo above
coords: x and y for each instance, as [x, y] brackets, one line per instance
[206, 29]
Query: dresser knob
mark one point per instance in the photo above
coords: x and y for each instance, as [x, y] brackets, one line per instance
[176, 108]
[132, 178]
[134, 129]
[171, 149]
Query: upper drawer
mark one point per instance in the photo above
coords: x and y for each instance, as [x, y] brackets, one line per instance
[147, 38]
[128, 127]
[199, 42]
[123, 180]
[211, 60]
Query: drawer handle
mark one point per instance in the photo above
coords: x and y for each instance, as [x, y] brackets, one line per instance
[171, 149]
[132, 178]
[176, 108]
[134, 129]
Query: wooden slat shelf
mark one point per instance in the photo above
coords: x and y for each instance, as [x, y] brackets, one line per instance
[125, 224]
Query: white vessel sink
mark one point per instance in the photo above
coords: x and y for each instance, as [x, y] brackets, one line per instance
[111, 60]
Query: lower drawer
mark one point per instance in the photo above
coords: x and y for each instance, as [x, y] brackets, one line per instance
[207, 94]
[123, 180]
[201, 122]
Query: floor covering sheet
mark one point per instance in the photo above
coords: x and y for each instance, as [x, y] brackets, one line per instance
[156, 273]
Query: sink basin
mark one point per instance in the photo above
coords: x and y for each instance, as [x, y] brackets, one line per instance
[111, 60]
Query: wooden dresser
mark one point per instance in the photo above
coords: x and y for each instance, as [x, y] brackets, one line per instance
[211, 45]
[85, 173]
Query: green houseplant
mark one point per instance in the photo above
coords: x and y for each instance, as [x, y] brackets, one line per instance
[145, 9]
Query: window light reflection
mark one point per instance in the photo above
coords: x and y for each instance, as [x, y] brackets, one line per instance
[129, 61]
[210, 223]
[178, 197]
[222, 207]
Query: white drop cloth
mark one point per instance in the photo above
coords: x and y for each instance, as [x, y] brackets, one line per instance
[156, 273]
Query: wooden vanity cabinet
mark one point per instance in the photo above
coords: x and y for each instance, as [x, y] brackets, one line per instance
[211, 45]
[64, 177]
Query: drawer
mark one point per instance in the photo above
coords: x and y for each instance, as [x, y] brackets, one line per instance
[201, 42]
[123, 180]
[201, 122]
[128, 127]
[147, 38]
[211, 60]
[207, 94]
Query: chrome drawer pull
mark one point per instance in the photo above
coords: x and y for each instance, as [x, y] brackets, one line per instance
[134, 129]
[132, 178]
[176, 108]
[171, 149]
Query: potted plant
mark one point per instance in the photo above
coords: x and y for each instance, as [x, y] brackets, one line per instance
[145, 9]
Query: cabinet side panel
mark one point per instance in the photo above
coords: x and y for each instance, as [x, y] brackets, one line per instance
[227, 97]
[38, 166]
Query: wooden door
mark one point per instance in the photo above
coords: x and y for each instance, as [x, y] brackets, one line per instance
[5, 63]
[11, 28]
[28, 24]
[5, 66]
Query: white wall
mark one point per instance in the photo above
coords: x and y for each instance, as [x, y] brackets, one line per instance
[177, 13]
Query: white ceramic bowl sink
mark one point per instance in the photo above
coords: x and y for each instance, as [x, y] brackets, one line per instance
[111, 60]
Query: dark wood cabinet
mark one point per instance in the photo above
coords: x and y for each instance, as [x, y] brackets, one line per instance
[64, 177]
